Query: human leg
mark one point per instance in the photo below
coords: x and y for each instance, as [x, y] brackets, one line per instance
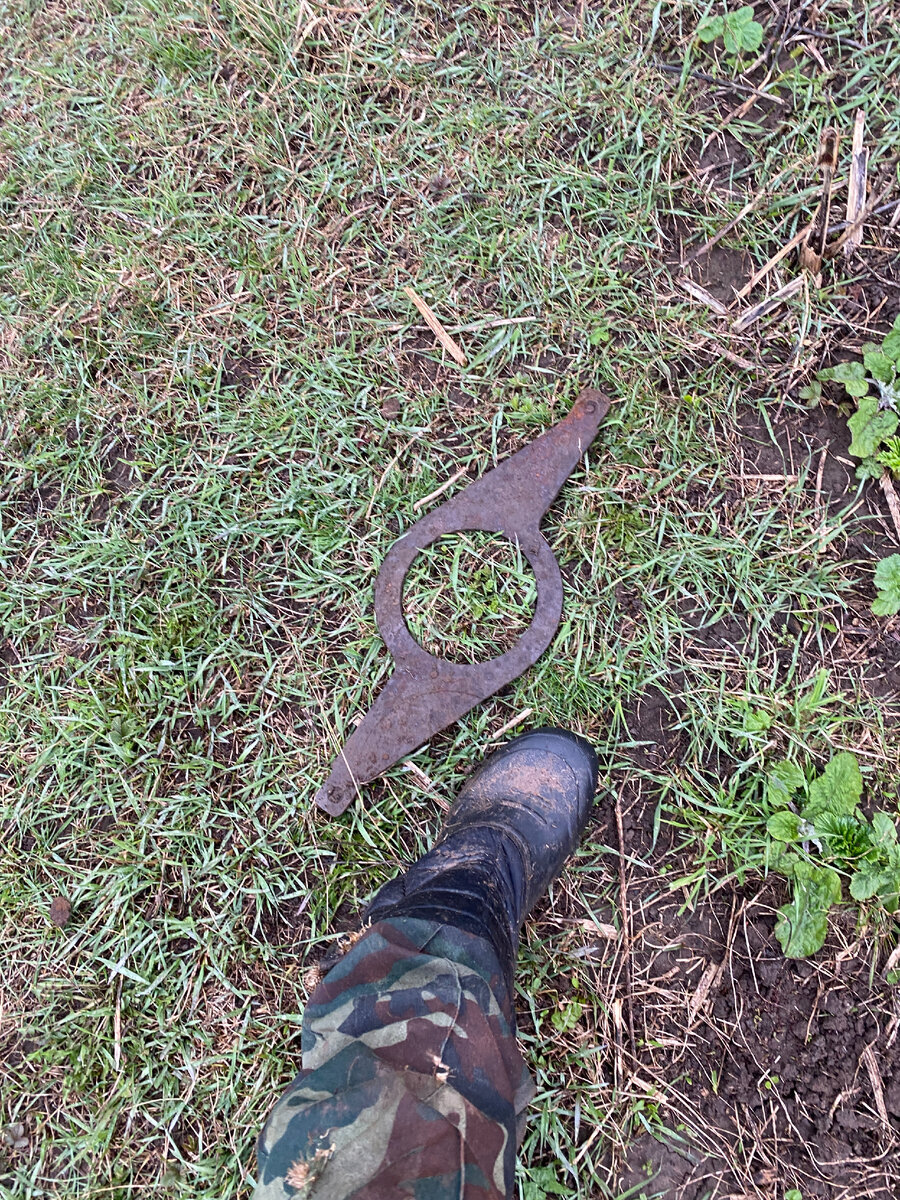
[411, 1081]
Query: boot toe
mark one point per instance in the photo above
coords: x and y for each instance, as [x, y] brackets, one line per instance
[538, 790]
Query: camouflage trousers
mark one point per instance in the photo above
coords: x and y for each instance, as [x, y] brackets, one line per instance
[411, 1083]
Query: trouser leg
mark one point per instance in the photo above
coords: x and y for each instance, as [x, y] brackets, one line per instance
[411, 1083]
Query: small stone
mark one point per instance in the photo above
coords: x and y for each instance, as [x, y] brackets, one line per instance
[60, 911]
[14, 1137]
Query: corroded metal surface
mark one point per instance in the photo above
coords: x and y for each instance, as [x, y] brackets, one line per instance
[426, 693]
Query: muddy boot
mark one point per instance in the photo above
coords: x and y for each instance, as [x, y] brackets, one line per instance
[506, 838]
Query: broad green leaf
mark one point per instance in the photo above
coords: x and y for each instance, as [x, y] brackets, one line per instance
[887, 580]
[837, 790]
[801, 930]
[782, 859]
[784, 825]
[870, 426]
[756, 720]
[732, 38]
[803, 924]
[857, 387]
[869, 468]
[852, 375]
[884, 828]
[864, 883]
[751, 35]
[872, 881]
[710, 28]
[891, 344]
[822, 885]
[847, 837]
[784, 778]
[879, 366]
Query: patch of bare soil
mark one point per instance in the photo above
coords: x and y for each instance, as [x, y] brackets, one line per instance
[761, 1074]
[722, 271]
[821, 437]
[814, 445]
[767, 1073]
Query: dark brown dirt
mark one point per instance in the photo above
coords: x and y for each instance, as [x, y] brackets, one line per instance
[721, 159]
[767, 1074]
[774, 1061]
[866, 649]
[820, 436]
[241, 371]
[722, 271]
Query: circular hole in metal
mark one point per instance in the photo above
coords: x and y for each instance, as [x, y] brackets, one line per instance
[469, 596]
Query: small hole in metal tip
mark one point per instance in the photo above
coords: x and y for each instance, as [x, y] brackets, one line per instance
[590, 406]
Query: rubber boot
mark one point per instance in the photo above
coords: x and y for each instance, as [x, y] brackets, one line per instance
[505, 839]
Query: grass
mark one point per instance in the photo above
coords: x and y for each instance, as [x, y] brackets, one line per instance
[469, 595]
[218, 412]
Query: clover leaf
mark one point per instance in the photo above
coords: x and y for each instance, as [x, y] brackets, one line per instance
[738, 29]
[710, 28]
[741, 31]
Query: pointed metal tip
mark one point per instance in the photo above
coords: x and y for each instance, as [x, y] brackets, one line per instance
[333, 799]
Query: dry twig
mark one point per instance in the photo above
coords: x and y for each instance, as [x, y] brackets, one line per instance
[812, 250]
[436, 327]
[821, 513]
[448, 483]
[856, 187]
[868, 1057]
[865, 212]
[754, 314]
[516, 720]
[626, 925]
[774, 261]
[890, 494]
[727, 228]
[699, 293]
[708, 982]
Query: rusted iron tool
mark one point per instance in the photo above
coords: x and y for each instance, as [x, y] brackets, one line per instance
[426, 693]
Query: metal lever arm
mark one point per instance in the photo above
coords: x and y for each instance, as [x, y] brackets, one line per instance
[426, 693]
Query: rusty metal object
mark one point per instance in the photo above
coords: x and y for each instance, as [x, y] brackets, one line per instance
[426, 693]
